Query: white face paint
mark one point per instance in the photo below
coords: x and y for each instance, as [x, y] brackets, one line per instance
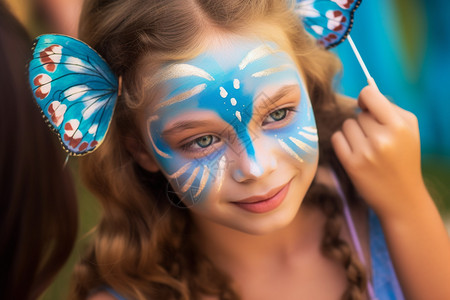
[235, 135]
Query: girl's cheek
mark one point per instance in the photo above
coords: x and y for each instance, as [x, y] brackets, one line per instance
[300, 139]
[194, 179]
[191, 179]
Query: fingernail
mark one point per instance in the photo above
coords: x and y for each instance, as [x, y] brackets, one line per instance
[371, 82]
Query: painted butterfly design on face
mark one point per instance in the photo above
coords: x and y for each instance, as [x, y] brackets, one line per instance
[328, 21]
[75, 90]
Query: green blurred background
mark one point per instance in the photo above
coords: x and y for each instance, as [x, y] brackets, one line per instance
[406, 45]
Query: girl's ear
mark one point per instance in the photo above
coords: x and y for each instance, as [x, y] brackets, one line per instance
[141, 155]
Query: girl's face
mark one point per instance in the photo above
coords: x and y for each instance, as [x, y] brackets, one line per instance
[234, 133]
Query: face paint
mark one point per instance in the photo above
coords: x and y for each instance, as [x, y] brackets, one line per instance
[230, 94]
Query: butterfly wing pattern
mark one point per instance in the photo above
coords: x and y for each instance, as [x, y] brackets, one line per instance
[329, 21]
[75, 89]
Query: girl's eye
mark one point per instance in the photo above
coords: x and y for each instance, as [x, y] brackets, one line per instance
[277, 115]
[204, 141]
[201, 143]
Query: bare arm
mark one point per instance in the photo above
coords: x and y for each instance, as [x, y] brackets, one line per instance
[420, 248]
[380, 150]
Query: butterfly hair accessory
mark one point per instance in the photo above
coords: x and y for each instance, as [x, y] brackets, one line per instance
[330, 22]
[75, 89]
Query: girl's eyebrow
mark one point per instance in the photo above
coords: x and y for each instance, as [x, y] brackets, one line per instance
[183, 125]
[267, 102]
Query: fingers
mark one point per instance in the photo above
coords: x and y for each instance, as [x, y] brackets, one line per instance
[350, 140]
[371, 100]
[380, 123]
[353, 133]
[341, 146]
[358, 138]
[369, 125]
[380, 150]
[407, 116]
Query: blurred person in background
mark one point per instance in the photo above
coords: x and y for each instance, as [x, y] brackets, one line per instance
[38, 213]
[62, 15]
[57, 16]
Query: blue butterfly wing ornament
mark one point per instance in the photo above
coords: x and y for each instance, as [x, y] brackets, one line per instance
[328, 21]
[75, 89]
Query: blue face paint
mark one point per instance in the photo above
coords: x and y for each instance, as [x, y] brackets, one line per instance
[227, 83]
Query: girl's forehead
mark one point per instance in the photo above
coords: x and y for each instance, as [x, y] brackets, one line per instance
[239, 69]
[236, 52]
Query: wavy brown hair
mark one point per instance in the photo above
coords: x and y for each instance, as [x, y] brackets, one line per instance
[144, 246]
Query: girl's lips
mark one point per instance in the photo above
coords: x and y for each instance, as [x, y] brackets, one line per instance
[263, 204]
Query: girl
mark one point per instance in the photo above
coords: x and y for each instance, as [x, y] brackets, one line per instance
[216, 182]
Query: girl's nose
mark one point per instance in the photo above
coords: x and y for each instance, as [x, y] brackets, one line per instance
[256, 164]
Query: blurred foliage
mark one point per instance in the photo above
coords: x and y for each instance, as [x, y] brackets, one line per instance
[413, 27]
[436, 173]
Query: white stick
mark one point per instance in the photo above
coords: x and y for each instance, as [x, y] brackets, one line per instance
[370, 80]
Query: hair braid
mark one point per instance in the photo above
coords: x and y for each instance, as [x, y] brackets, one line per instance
[333, 246]
[336, 248]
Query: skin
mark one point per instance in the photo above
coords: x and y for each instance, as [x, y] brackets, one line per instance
[250, 131]
[268, 259]
[63, 15]
[380, 151]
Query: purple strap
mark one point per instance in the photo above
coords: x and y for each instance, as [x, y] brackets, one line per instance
[351, 228]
